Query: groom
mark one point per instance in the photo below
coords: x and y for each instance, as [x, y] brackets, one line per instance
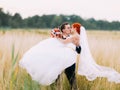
[70, 71]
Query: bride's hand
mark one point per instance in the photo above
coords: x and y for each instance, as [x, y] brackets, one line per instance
[55, 33]
[58, 36]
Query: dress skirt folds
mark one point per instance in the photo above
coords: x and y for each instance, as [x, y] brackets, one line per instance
[46, 60]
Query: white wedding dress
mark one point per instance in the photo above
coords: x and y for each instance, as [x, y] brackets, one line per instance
[46, 60]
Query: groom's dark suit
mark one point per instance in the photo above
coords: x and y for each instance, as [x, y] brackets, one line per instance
[70, 71]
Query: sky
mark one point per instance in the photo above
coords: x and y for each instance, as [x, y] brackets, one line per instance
[98, 9]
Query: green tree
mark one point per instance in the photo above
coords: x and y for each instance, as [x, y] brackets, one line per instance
[16, 21]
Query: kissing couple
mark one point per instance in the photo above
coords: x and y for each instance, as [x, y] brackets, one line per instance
[49, 58]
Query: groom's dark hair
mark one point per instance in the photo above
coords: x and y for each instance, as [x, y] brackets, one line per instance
[63, 26]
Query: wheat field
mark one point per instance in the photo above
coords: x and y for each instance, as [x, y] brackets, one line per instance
[104, 46]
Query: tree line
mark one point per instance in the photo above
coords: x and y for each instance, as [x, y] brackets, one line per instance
[50, 21]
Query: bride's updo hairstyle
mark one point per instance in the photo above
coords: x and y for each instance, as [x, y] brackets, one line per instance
[77, 26]
[56, 33]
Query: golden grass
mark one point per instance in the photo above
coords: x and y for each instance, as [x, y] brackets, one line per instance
[104, 46]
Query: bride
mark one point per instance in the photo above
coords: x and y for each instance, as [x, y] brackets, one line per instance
[45, 61]
[87, 66]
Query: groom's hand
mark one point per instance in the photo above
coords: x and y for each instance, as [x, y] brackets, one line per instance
[78, 49]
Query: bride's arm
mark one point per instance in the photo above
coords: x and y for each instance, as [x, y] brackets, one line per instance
[73, 39]
[66, 41]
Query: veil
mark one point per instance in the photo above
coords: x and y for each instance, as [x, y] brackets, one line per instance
[89, 68]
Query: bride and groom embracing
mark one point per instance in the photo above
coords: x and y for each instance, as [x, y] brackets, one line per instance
[49, 58]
